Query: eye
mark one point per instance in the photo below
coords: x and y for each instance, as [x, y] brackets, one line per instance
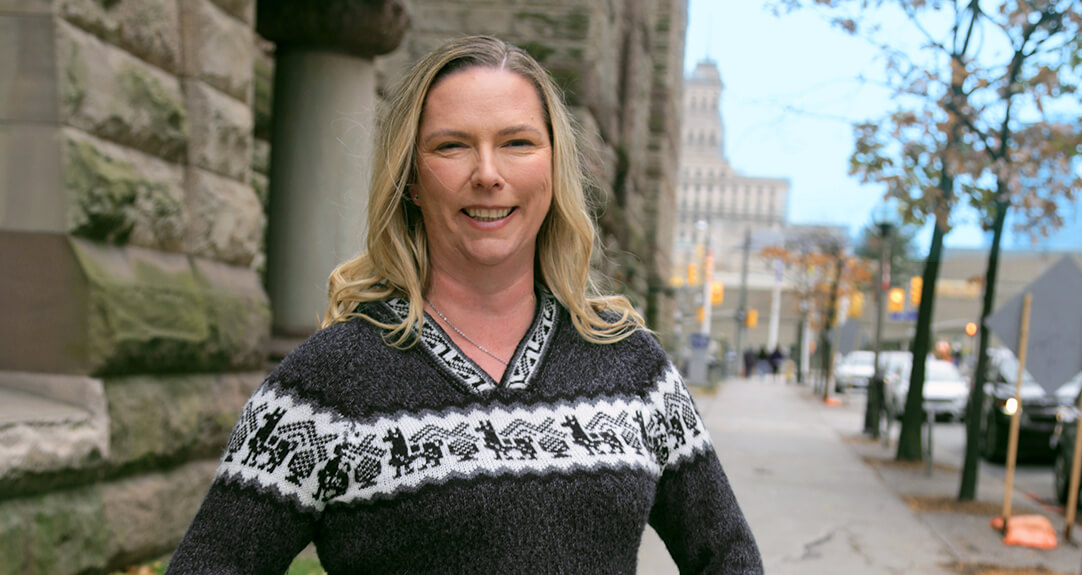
[447, 146]
[519, 143]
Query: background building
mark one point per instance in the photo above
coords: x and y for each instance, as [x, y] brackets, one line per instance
[718, 209]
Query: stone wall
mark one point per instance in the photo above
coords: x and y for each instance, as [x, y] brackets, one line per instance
[620, 63]
[132, 226]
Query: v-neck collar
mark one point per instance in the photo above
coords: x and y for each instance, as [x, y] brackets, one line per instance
[465, 372]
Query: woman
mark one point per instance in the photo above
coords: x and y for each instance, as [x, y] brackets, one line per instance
[471, 405]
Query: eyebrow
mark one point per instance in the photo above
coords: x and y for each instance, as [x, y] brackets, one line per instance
[508, 131]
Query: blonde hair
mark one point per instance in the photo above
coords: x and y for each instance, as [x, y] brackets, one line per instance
[396, 261]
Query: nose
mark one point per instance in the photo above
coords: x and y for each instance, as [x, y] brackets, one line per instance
[486, 173]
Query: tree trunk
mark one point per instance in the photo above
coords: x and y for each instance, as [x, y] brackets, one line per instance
[909, 442]
[828, 332]
[967, 489]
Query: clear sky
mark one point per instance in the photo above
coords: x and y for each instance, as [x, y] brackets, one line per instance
[791, 96]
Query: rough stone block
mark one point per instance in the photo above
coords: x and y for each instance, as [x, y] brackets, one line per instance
[27, 6]
[149, 29]
[260, 163]
[103, 527]
[112, 95]
[238, 315]
[32, 196]
[56, 533]
[118, 195]
[243, 10]
[226, 219]
[221, 131]
[82, 307]
[48, 435]
[28, 68]
[263, 91]
[147, 516]
[563, 24]
[145, 310]
[218, 49]
[156, 420]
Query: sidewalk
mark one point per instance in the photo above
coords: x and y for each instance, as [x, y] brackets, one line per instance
[799, 471]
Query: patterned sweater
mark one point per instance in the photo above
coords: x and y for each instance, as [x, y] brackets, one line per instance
[416, 461]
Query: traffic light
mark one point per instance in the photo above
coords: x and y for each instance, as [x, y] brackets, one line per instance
[896, 300]
[971, 329]
[916, 283]
[693, 274]
[717, 293]
[752, 318]
[856, 304]
[700, 314]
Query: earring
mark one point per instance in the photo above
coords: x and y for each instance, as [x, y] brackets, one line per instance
[416, 197]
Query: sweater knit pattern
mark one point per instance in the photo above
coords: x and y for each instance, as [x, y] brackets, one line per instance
[315, 455]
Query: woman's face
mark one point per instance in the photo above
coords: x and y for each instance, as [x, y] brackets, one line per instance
[484, 182]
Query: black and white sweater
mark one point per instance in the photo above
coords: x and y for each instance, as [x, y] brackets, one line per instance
[416, 461]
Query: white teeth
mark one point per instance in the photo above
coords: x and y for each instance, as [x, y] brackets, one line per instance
[488, 215]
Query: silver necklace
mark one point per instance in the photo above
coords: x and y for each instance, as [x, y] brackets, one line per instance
[459, 332]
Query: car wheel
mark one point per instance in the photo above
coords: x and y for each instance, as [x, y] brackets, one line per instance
[1061, 476]
[993, 447]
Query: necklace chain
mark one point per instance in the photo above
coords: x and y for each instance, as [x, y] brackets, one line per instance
[466, 337]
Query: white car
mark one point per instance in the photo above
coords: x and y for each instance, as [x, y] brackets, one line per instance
[856, 370]
[946, 392]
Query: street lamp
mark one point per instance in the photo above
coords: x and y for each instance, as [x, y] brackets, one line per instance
[873, 407]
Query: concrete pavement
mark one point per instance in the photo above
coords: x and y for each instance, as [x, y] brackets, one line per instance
[820, 499]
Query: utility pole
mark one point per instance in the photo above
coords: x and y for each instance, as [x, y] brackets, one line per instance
[874, 406]
[742, 305]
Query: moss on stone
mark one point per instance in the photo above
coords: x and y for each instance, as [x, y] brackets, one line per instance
[103, 192]
[155, 421]
[109, 196]
[168, 130]
[59, 532]
[573, 25]
[539, 50]
[76, 76]
[262, 97]
[148, 318]
[568, 79]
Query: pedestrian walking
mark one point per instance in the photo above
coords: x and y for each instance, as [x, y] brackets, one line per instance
[763, 364]
[472, 404]
[777, 357]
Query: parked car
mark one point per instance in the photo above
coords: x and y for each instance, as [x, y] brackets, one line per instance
[855, 370]
[945, 390]
[1063, 438]
[1039, 409]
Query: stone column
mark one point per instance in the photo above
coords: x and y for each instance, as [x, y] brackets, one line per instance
[321, 142]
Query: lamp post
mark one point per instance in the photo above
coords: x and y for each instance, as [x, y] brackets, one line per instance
[873, 407]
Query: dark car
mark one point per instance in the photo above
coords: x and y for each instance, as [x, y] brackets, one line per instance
[1063, 438]
[1039, 410]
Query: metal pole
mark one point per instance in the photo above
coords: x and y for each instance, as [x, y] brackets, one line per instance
[874, 407]
[741, 308]
[775, 307]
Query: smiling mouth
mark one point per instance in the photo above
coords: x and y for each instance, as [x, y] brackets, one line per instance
[488, 215]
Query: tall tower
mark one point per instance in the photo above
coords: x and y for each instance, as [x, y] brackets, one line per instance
[704, 129]
[717, 207]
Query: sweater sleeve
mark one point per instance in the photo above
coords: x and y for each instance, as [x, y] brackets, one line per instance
[266, 498]
[695, 511]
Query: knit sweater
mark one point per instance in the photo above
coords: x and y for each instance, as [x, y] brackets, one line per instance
[416, 461]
